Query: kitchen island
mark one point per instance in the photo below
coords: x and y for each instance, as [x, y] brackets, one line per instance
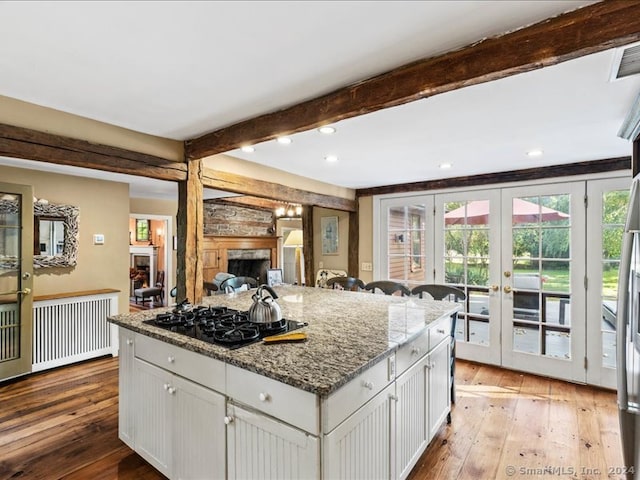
[361, 398]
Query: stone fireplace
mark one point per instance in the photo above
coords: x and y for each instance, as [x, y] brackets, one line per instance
[242, 256]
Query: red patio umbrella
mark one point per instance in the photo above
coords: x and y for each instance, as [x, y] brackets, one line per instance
[477, 213]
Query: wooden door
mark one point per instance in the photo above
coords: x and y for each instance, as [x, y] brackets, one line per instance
[16, 279]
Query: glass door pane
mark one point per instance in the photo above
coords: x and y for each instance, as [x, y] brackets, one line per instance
[408, 249]
[16, 263]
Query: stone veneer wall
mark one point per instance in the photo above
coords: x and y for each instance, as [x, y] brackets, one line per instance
[235, 221]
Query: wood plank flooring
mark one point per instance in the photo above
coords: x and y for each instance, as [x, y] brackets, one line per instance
[63, 424]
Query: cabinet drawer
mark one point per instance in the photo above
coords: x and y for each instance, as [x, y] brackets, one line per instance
[198, 368]
[348, 398]
[438, 331]
[412, 351]
[289, 404]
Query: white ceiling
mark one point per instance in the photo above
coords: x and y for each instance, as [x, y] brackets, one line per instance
[182, 69]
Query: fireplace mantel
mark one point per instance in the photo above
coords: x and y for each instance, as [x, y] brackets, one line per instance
[215, 251]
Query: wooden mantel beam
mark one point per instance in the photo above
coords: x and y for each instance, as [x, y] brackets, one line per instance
[231, 182]
[588, 30]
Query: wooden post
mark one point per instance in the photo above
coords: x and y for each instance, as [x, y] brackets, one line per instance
[190, 223]
[307, 248]
[354, 242]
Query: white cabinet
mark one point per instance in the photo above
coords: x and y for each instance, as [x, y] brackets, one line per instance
[126, 404]
[361, 447]
[179, 424]
[412, 411]
[259, 446]
[423, 394]
[439, 386]
[152, 420]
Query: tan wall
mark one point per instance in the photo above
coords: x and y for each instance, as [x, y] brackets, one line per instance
[365, 248]
[230, 164]
[335, 262]
[28, 115]
[104, 208]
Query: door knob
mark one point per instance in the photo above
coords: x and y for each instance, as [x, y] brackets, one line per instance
[495, 288]
[24, 291]
[507, 274]
[507, 289]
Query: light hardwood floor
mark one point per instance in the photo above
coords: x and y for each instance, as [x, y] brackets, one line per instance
[63, 424]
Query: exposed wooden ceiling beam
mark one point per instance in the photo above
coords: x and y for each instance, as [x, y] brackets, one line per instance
[581, 32]
[29, 144]
[234, 183]
[536, 173]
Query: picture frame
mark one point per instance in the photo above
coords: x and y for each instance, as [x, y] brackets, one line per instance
[329, 229]
[274, 277]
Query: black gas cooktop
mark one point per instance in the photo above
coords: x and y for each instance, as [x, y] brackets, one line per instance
[220, 325]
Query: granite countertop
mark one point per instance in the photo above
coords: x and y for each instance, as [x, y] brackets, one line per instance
[347, 333]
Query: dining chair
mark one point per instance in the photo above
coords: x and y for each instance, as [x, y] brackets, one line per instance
[232, 284]
[388, 288]
[445, 292]
[209, 288]
[345, 283]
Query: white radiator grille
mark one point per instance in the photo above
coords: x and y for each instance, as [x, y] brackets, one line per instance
[9, 333]
[72, 329]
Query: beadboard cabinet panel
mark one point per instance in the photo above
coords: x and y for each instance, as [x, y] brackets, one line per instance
[259, 446]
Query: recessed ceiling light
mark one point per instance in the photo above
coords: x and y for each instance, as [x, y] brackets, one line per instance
[248, 149]
[331, 158]
[445, 165]
[534, 153]
[284, 140]
[328, 130]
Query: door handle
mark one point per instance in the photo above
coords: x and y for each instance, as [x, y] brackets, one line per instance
[495, 288]
[507, 289]
[24, 291]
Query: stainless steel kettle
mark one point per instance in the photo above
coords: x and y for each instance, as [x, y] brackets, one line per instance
[265, 309]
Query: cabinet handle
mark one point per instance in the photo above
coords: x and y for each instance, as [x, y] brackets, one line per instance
[171, 390]
[264, 397]
[171, 359]
[428, 366]
[166, 386]
[129, 341]
[440, 330]
[368, 385]
[228, 420]
[393, 397]
[415, 351]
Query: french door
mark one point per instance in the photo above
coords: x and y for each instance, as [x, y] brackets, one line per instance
[16, 279]
[538, 265]
[468, 257]
[543, 279]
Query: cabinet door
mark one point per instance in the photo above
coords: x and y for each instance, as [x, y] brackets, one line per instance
[439, 386]
[198, 432]
[411, 416]
[126, 406]
[261, 447]
[153, 416]
[361, 446]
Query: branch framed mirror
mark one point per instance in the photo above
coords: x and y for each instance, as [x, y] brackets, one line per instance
[55, 236]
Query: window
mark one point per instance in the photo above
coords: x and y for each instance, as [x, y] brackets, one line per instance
[142, 230]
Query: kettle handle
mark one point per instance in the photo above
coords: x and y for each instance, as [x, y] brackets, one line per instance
[268, 289]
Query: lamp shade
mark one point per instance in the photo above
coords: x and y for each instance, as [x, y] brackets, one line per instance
[294, 239]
